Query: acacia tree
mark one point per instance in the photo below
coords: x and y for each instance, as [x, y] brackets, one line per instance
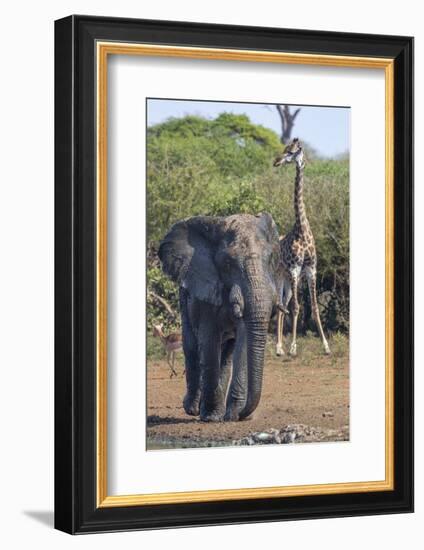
[287, 119]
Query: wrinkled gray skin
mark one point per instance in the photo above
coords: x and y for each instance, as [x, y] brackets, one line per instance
[228, 272]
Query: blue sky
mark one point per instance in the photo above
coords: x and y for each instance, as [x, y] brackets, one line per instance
[326, 129]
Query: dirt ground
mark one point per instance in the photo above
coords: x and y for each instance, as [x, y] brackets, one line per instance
[311, 389]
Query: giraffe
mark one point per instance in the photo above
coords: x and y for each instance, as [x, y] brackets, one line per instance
[298, 255]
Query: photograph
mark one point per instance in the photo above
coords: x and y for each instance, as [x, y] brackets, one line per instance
[247, 283]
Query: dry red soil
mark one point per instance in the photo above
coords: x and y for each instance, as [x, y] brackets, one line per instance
[311, 389]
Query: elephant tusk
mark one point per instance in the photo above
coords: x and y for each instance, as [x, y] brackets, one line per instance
[236, 301]
[237, 312]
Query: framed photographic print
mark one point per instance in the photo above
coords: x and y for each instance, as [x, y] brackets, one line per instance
[234, 274]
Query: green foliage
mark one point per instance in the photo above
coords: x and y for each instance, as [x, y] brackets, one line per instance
[155, 349]
[192, 161]
[162, 286]
[241, 199]
[224, 166]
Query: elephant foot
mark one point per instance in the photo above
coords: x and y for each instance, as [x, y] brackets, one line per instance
[212, 405]
[231, 415]
[213, 416]
[191, 406]
[234, 408]
[211, 412]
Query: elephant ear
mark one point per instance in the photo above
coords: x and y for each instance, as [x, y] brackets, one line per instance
[187, 253]
[268, 225]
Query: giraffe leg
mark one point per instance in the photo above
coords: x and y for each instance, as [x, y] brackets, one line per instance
[279, 351]
[285, 300]
[294, 286]
[311, 277]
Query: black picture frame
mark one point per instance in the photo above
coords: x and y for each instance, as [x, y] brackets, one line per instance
[76, 509]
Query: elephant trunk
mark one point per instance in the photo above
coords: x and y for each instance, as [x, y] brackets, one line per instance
[258, 306]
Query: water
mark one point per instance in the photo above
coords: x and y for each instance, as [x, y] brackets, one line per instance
[160, 444]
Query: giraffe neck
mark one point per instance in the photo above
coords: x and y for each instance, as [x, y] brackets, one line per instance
[302, 223]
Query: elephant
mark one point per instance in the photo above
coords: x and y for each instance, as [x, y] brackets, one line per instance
[229, 276]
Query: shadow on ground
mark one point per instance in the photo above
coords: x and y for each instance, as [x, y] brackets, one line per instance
[46, 517]
[156, 420]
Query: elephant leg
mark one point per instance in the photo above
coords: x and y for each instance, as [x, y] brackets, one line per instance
[212, 396]
[237, 394]
[191, 402]
[226, 364]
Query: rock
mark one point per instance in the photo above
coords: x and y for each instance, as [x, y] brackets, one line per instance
[271, 436]
[294, 433]
[288, 437]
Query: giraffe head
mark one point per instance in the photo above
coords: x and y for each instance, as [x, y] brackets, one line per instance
[292, 153]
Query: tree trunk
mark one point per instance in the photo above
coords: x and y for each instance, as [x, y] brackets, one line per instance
[287, 119]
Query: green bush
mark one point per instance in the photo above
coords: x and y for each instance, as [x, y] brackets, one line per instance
[197, 166]
[158, 284]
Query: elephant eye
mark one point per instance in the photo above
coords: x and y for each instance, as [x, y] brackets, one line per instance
[225, 263]
[226, 266]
